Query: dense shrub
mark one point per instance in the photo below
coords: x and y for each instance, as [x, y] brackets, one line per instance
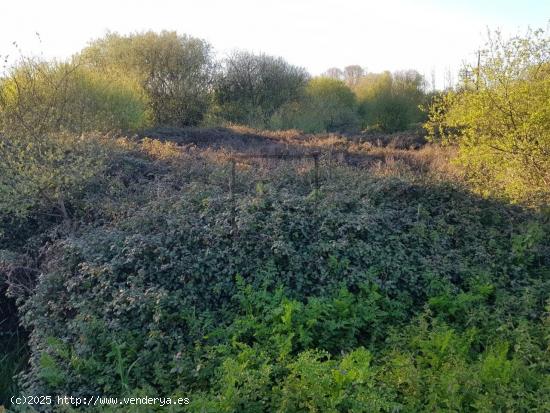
[499, 118]
[175, 71]
[327, 105]
[37, 98]
[45, 173]
[251, 88]
[390, 102]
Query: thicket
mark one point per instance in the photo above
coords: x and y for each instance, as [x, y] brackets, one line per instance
[391, 102]
[499, 118]
[38, 97]
[174, 71]
[251, 88]
[137, 270]
[47, 148]
[376, 293]
[171, 80]
[327, 105]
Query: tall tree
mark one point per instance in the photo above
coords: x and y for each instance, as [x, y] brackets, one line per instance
[353, 74]
[334, 73]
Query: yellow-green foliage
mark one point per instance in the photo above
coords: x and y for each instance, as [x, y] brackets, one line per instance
[390, 102]
[328, 105]
[104, 103]
[44, 107]
[46, 171]
[500, 119]
[40, 97]
[174, 71]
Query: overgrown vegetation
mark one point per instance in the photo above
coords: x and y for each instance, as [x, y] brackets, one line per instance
[174, 71]
[251, 88]
[499, 118]
[37, 98]
[391, 102]
[327, 105]
[375, 278]
[363, 296]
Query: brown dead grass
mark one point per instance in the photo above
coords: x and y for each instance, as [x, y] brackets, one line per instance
[395, 154]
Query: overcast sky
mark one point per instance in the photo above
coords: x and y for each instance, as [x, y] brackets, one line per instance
[315, 34]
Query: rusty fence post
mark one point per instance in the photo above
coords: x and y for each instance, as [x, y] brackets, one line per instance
[232, 197]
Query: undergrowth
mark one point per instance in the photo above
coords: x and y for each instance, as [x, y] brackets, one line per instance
[392, 287]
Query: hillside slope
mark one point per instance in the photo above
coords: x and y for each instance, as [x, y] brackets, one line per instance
[375, 282]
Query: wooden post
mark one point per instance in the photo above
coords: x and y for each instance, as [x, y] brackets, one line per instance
[232, 178]
[316, 162]
[232, 198]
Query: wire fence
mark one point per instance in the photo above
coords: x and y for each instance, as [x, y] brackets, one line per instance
[247, 158]
[244, 157]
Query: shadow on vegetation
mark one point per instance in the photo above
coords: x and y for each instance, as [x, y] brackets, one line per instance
[160, 234]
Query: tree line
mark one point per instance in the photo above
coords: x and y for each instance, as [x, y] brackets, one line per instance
[497, 114]
[167, 79]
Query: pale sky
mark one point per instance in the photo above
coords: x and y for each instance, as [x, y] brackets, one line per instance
[315, 34]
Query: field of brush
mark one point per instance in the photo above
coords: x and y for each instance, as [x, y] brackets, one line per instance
[258, 271]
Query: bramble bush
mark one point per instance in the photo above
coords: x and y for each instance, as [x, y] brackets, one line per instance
[387, 288]
[376, 293]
